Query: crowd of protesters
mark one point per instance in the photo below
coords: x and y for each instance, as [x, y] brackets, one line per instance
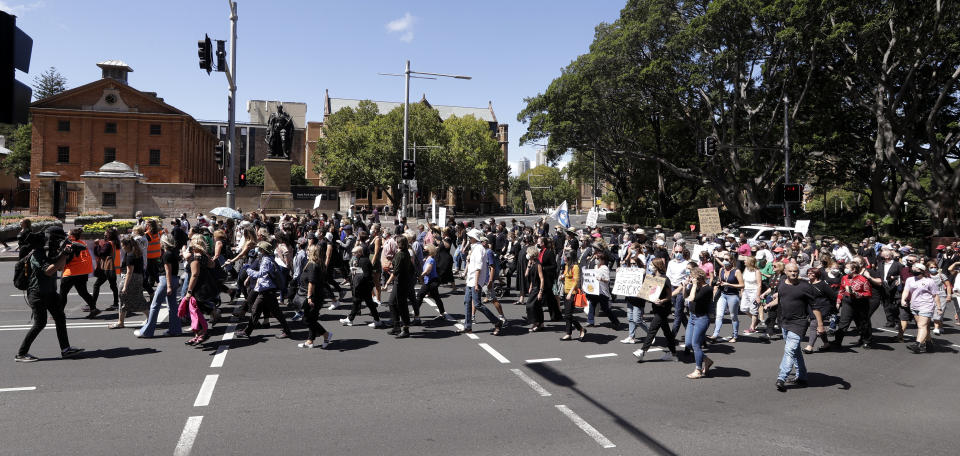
[797, 289]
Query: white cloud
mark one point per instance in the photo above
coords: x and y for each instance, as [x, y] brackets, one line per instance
[20, 8]
[403, 26]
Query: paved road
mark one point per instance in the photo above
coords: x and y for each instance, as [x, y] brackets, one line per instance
[439, 393]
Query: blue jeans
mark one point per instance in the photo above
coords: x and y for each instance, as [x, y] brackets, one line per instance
[471, 296]
[696, 331]
[679, 316]
[604, 303]
[159, 296]
[186, 281]
[792, 356]
[730, 302]
[635, 317]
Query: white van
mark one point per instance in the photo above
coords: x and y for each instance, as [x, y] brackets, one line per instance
[762, 233]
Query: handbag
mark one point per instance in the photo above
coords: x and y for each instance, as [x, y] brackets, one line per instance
[580, 299]
[299, 301]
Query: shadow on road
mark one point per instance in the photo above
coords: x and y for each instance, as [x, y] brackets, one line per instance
[351, 344]
[818, 380]
[726, 372]
[559, 379]
[119, 352]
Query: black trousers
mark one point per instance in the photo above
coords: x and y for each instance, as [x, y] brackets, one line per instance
[400, 304]
[889, 304]
[661, 313]
[360, 295]
[41, 304]
[432, 290]
[551, 302]
[569, 320]
[856, 310]
[266, 303]
[111, 279]
[534, 308]
[80, 283]
[311, 315]
[770, 318]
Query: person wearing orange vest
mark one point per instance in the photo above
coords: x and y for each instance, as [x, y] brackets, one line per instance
[75, 275]
[154, 252]
[107, 266]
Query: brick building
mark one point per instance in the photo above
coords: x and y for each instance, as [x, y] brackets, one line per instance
[82, 129]
[462, 198]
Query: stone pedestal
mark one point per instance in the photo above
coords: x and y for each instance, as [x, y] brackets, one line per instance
[276, 197]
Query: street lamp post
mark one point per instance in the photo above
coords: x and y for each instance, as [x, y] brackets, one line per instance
[406, 116]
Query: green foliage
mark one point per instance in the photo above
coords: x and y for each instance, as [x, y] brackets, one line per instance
[255, 175]
[92, 217]
[298, 175]
[38, 223]
[48, 83]
[100, 227]
[17, 163]
[557, 188]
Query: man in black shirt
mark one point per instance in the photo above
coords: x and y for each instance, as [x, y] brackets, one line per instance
[796, 298]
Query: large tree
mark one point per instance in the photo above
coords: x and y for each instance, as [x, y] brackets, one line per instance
[48, 83]
[17, 163]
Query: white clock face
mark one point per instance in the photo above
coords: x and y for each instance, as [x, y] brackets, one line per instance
[110, 99]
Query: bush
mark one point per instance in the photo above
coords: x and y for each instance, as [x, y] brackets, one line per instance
[100, 227]
[88, 218]
[38, 224]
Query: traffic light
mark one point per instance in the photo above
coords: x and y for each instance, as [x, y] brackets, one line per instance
[15, 49]
[218, 154]
[701, 150]
[710, 146]
[243, 180]
[792, 192]
[221, 56]
[205, 51]
[795, 209]
[408, 170]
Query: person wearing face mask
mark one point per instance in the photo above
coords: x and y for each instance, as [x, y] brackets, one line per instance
[903, 310]
[660, 307]
[946, 289]
[825, 302]
[853, 301]
[677, 272]
[770, 309]
[922, 296]
[730, 282]
[635, 305]
[887, 273]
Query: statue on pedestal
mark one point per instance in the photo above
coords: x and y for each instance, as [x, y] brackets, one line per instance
[280, 134]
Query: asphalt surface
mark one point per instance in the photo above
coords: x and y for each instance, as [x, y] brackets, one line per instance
[440, 393]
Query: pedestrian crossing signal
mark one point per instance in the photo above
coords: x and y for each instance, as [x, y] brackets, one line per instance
[792, 192]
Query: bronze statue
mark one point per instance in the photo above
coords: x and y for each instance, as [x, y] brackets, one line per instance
[280, 133]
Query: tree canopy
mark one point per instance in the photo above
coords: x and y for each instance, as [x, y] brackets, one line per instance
[48, 83]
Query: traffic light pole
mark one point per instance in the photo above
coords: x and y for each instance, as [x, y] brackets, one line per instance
[786, 158]
[232, 102]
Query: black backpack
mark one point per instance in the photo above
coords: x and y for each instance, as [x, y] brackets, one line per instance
[21, 273]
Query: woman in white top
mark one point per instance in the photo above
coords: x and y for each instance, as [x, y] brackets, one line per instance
[751, 290]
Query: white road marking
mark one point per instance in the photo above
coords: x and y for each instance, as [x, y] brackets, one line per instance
[206, 390]
[531, 382]
[601, 355]
[586, 427]
[92, 324]
[542, 360]
[223, 348]
[19, 388]
[911, 335]
[189, 434]
[470, 334]
[430, 301]
[495, 353]
[21, 295]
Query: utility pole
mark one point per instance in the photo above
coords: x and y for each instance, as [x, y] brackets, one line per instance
[406, 127]
[786, 158]
[232, 102]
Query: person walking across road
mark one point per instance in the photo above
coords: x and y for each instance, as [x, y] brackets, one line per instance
[571, 287]
[131, 286]
[476, 278]
[795, 298]
[109, 256]
[166, 291]
[660, 308]
[309, 288]
[75, 276]
[699, 301]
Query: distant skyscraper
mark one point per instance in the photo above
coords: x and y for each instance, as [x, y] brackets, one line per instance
[523, 166]
[541, 157]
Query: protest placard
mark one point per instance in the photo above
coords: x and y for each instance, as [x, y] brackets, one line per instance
[591, 283]
[592, 217]
[651, 288]
[709, 220]
[628, 282]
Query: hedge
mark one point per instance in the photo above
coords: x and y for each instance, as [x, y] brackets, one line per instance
[38, 224]
[86, 219]
[100, 227]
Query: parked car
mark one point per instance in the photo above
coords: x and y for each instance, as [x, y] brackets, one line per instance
[762, 233]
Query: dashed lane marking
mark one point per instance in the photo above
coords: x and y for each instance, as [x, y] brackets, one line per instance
[187, 437]
[601, 355]
[19, 388]
[495, 353]
[531, 382]
[206, 391]
[223, 348]
[542, 360]
[470, 334]
[586, 427]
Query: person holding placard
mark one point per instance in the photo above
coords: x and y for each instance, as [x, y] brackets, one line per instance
[661, 311]
[571, 287]
[633, 260]
[602, 298]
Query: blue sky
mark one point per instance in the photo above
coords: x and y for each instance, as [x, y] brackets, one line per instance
[294, 50]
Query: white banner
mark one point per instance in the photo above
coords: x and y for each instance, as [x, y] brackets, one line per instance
[591, 283]
[442, 216]
[316, 201]
[433, 210]
[592, 217]
[628, 282]
[802, 226]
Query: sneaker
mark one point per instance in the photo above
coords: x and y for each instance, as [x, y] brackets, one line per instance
[749, 331]
[283, 335]
[628, 340]
[667, 357]
[297, 316]
[374, 324]
[936, 331]
[334, 305]
[448, 317]
[503, 321]
[781, 386]
[138, 334]
[70, 352]
[327, 339]
[639, 354]
[305, 345]
[346, 322]
[28, 358]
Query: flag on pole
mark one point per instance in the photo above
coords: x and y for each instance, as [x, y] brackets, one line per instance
[561, 214]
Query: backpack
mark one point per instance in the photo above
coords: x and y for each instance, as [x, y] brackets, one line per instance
[279, 279]
[21, 273]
